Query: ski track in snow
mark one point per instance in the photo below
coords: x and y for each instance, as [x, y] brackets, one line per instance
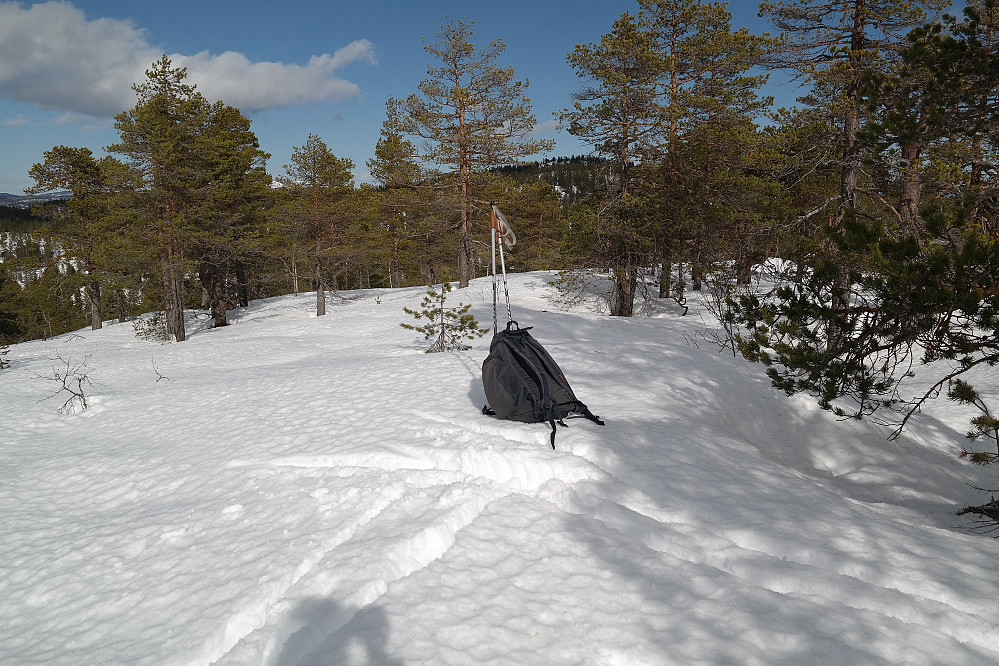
[445, 507]
[295, 490]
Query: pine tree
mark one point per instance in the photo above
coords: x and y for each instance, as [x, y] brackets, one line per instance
[201, 184]
[84, 226]
[834, 45]
[708, 195]
[837, 43]
[447, 326]
[472, 115]
[928, 302]
[159, 137]
[985, 425]
[10, 290]
[233, 190]
[668, 98]
[318, 183]
[919, 289]
[417, 238]
[618, 111]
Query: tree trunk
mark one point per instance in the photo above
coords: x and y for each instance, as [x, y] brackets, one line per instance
[623, 295]
[96, 310]
[744, 257]
[851, 166]
[911, 187]
[851, 120]
[393, 267]
[665, 279]
[744, 270]
[242, 286]
[465, 256]
[320, 294]
[120, 302]
[429, 262]
[173, 302]
[213, 283]
[799, 270]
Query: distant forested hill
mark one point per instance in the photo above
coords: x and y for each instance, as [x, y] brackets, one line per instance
[574, 177]
[17, 219]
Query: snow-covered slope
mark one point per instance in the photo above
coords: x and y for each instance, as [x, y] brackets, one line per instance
[297, 490]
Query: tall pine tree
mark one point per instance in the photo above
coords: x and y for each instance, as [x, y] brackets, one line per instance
[618, 111]
[318, 182]
[472, 115]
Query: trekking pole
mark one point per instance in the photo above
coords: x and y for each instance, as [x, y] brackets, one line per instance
[493, 230]
[503, 230]
[506, 288]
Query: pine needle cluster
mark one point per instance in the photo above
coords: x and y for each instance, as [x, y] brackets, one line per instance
[986, 425]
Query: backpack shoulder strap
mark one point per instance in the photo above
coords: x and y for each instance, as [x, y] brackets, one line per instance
[585, 411]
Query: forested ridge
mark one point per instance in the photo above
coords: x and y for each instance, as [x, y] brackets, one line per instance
[874, 195]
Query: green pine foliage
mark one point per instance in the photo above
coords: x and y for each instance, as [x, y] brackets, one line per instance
[319, 188]
[39, 290]
[197, 192]
[461, 104]
[985, 425]
[928, 302]
[448, 327]
[151, 328]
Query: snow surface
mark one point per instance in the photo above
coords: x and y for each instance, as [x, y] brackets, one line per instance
[298, 490]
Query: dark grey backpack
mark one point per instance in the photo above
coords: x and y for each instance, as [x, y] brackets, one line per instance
[524, 383]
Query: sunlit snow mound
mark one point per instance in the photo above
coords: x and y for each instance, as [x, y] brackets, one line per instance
[299, 490]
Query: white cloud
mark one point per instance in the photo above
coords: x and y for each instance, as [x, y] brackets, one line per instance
[545, 127]
[252, 86]
[52, 56]
[17, 121]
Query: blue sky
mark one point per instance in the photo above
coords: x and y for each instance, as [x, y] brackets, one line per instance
[294, 68]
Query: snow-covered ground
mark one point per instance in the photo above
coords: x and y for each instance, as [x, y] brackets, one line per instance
[296, 490]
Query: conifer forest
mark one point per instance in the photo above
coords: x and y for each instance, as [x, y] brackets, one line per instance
[847, 241]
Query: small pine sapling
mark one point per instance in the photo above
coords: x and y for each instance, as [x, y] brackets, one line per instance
[4, 361]
[570, 287]
[985, 425]
[448, 326]
[152, 328]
